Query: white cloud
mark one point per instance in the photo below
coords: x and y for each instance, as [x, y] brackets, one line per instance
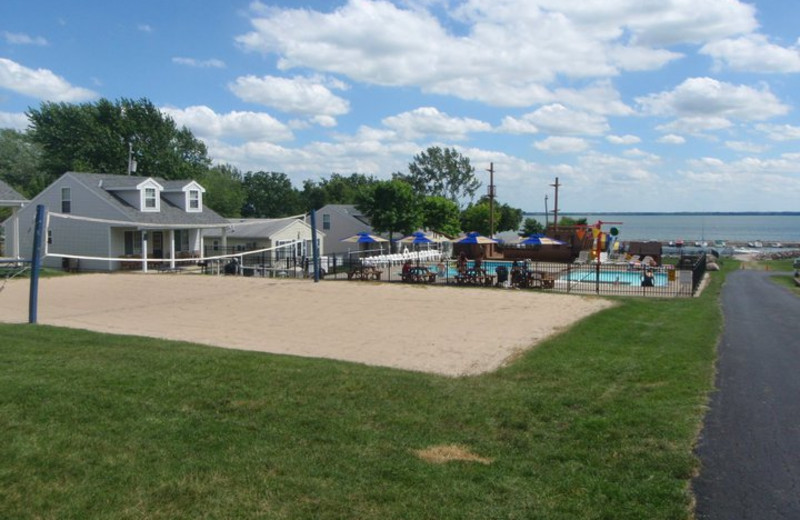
[506, 52]
[201, 64]
[780, 132]
[753, 53]
[23, 39]
[428, 121]
[40, 83]
[145, 28]
[558, 120]
[672, 139]
[695, 125]
[308, 96]
[207, 124]
[16, 121]
[707, 97]
[562, 145]
[623, 139]
[747, 147]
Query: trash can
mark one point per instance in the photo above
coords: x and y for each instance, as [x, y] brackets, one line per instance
[502, 274]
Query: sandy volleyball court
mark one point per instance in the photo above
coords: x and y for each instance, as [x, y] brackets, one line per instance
[445, 330]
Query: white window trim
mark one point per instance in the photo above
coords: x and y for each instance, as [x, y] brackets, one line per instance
[143, 192]
[189, 208]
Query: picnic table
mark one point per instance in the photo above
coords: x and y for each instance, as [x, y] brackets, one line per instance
[419, 274]
[365, 272]
[530, 279]
[475, 277]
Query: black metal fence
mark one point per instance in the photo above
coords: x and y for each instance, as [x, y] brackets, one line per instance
[621, 278]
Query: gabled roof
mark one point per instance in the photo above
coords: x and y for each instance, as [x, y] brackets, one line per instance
[103, 186]
[348, 210]
[259, 227]
[9, 196]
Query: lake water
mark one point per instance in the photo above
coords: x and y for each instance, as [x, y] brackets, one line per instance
[664, 227]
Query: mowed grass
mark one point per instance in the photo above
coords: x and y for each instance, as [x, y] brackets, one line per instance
[596, 423]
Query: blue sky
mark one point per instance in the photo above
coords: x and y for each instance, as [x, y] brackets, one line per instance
[635, 105]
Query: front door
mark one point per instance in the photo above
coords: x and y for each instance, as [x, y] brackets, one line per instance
[158, 244]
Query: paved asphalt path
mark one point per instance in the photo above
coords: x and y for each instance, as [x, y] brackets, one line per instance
[750, 446]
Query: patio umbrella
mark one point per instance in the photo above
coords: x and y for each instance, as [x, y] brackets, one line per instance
[541, 240]
[364, 238]
[476, 238]
[419, 237]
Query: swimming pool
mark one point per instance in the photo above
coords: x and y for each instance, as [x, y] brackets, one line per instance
[616, 276]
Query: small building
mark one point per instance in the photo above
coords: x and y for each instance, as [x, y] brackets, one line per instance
[651, 248]
[100, 222]
[284, 238]
[10, 198]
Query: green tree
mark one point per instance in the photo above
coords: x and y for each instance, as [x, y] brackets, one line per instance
[338, 189]
[510, 219]
[270, 195]
[392, 206]
[476, 217]
[441, 214]
[531, 226]
[97, 137]
[20, 160]
[569, 221]
[224, 190]
[442, 173]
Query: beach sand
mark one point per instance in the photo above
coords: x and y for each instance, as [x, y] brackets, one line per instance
[444, 330]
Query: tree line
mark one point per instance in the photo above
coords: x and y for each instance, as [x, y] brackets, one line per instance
[436, 192]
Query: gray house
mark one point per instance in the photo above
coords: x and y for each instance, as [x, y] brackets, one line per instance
[340, 221]
[10, 198]
[103, 222]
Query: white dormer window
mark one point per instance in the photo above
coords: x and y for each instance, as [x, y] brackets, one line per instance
[194, 200]
[150, 199]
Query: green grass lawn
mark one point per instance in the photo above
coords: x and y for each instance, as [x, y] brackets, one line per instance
[597, 423]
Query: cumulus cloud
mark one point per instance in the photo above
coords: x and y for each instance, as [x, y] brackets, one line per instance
[753, 53]
[562, 145]
[15, 121]
[429, 121]
[23, 39]
[746, 146]
[201, 64]
[780, 132]
[506, 52]
[672, 139]
[622, 139]
[706, 98]
[556, 119]
[207, 124]
[40, 83]
[308, 96]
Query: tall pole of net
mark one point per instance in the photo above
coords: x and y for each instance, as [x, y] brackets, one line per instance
[36, 264]
[314, 247]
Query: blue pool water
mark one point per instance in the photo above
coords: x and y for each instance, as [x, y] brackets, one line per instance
[621, 277]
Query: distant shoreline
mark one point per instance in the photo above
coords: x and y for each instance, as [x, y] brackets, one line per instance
[677, 213]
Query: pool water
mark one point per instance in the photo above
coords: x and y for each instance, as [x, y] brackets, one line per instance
[620, 277]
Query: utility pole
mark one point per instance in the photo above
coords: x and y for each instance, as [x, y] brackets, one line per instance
[546, 223]
[491, 199]
[555, 209]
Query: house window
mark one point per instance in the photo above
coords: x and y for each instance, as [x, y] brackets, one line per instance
[66, 200]
[133, 242]
[182, 240]
[285, 249]
[194, 200]
[326, 221]
[150, 200]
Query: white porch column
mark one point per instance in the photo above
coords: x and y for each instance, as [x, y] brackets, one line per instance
[144, 251]
[225, 240]
[172, 249]
[15, 225]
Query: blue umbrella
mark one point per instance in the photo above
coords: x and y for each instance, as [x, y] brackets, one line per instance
[364, 238]
[541, 240]
[476, 238]
[419, 237]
